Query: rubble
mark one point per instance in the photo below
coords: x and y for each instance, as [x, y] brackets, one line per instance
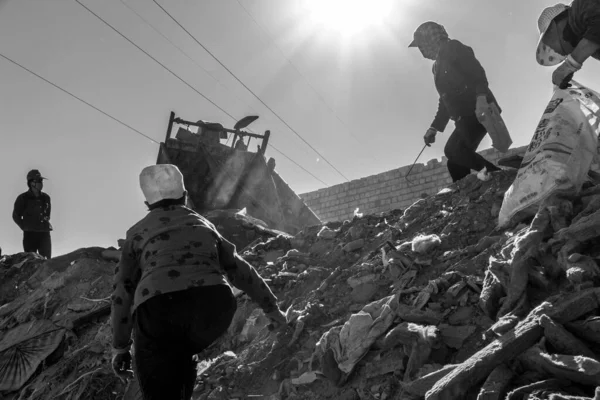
[423, 244]
[473, 312]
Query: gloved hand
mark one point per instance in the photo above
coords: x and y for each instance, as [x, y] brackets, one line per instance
[564, 73]
[481, 106]
[121, 363]
[430, 136]
[278, 319]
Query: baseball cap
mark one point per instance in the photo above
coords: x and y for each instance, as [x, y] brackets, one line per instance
[34, 174]
[428, 32]
[161, 182]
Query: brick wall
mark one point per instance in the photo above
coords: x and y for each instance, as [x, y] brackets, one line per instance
[388, 190]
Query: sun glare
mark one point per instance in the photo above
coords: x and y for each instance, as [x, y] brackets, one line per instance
[348, 17]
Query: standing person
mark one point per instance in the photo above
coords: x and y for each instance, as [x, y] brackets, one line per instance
[170, 289]
[569, 35]
[32, 214]
[464, 93]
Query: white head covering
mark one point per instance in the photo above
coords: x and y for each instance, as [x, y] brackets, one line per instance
[161, 182]
[545, 55]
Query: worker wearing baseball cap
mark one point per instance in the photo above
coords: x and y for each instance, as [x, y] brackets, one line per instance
[464, 93]
[171, 289]
[569, 35]
[31, 213]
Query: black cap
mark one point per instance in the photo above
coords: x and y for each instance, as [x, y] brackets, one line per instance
[34, 174]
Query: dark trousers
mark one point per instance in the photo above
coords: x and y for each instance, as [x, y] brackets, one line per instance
[461, 149]
[169, 330]
[38, 242]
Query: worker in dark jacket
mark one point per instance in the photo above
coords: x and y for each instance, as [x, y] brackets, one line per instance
[32, 214]
[569, 35]
[463, 88]
[171, 289]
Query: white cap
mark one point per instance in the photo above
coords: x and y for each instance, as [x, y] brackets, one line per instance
[545, 55]
[160, 182]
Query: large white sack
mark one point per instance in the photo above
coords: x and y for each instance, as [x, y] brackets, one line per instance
[559, 155]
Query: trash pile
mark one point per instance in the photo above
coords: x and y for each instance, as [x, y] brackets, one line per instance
[432, 302]
[54, 317]
[55, 336]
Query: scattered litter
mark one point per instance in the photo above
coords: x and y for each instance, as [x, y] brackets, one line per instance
[423, 244]
[305, 378]
[484, 175]
[431, 302]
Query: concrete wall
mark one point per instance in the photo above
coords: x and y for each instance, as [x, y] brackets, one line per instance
[388, 190]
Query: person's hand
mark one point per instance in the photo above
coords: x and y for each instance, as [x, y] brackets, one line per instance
[481, 107]
[121, 363]
[277, 319]
[565, 71]
[430, 136]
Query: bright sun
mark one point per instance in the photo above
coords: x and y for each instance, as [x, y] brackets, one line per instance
[348, 17]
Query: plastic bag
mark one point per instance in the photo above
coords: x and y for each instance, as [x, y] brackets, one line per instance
[559, 155]
[494, 124]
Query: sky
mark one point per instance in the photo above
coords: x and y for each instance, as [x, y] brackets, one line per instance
[340, 76]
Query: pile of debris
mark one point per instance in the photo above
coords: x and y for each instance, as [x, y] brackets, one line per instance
[430, 302]
[434, 302]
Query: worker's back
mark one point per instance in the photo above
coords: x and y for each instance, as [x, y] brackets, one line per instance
[176, 249]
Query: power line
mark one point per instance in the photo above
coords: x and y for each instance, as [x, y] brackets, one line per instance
[300, 166]
[177, 76]
[78, 98]
[182, 52]
[155, 60]
[128, 126]
[250, 90]
[300, 73]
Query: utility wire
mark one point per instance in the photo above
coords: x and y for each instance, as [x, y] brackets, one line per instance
[155, 60]
[300, 73]
[187, 84]
[299, 166]
[79, 98]
[129, 126]
[183, 52]
[250, 90]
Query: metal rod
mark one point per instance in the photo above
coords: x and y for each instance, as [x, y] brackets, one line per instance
[265, 142]
[167, 136]
[244, 133]
[170, 127]
[417, 159]
[201, 124]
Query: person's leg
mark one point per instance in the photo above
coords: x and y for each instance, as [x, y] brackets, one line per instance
[457, 172]
[45, 245]
[207, 324]
[170, 329]
[162, 364]
[30, 242]
[461, 148]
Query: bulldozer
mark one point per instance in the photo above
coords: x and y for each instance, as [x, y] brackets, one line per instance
[223, 176]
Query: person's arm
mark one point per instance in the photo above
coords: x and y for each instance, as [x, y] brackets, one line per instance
[243, 276]
[563, 74]
[18, 210]
[588, 14]
[463, 57]
[441, 117]
[122, 298]
[584, 50]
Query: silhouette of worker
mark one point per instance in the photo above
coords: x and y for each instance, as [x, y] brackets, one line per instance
[32, 214]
